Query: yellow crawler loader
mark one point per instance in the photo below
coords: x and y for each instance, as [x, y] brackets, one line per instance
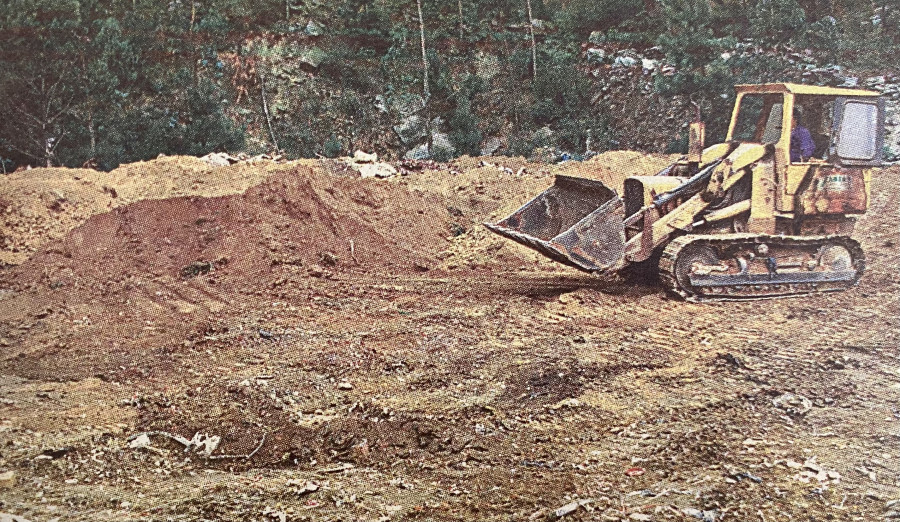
[756, 216]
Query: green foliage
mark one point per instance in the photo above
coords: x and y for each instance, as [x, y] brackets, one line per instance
[868, 33]
[520, 144]
[464, 133]
[688, 39]
[300, 135]
[695, 44]
[121, 81]
[194, 125]
[578, 18]
[777, 21]
[562, 101]
[204, 127]
[332, 147]
[824, 36]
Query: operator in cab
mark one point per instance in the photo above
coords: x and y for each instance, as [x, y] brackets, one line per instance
[802, 144]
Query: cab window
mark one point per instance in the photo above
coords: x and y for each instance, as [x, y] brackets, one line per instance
[816, 116]
[857, 136]
[759, 118]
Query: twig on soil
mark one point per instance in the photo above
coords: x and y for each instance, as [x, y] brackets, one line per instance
[188, 444]
[177, 438]
[342, 467]
[245, 457]
[250, 456]
[353, 252]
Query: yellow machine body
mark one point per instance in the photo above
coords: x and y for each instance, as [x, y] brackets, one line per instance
[821, 193]
[729, 198]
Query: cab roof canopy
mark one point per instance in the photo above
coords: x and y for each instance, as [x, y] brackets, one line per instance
[796, 88]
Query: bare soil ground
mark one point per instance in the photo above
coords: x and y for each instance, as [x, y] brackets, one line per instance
[364, 350]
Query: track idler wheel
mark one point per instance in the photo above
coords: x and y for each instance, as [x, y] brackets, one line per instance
[692, 259]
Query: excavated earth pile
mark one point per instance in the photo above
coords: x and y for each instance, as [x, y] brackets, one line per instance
[315, 346]
[295, 218]
[43, 204]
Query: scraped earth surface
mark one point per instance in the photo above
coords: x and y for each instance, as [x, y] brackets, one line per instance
[365, 350]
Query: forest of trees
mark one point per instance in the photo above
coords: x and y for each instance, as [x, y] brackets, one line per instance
[104, 82]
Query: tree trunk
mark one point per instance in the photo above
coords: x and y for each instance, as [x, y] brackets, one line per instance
[262, 89]
[461, 23]
[193, 41]
[49, 145]
[426, 91]
[93, 133]
[424, 56]
[533, 43]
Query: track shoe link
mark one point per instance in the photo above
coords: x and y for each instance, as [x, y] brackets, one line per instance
[750, 266]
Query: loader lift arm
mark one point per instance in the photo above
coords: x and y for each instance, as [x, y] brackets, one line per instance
[713, 180]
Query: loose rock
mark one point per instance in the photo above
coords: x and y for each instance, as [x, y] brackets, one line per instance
[7, 480]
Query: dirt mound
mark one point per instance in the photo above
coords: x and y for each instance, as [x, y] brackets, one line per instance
[477, 190]
[302, 219]
[39, 205]
[613, 167]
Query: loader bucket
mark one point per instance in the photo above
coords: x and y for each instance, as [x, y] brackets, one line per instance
[577, 221]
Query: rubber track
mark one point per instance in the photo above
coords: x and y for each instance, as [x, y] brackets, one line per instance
[672, 250]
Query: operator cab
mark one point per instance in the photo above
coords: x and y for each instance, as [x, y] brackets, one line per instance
[845, 126]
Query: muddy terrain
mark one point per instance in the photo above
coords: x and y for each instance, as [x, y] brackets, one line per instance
[287, 342]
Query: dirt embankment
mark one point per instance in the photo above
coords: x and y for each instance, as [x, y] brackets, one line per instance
[40, 205]
[299, 218]
[43, 204]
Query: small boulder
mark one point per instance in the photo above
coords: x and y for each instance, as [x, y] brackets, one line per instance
[411, 129]
[543, 137]
[377, 170]
[139, 442]
[595, 55]
[312, 56]
[219, 159]
[8, 480]
[441, 147]
[625, 61]
[363, 157]
[490, 146]
[407, 104]
[313, 28]
[419, 153]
